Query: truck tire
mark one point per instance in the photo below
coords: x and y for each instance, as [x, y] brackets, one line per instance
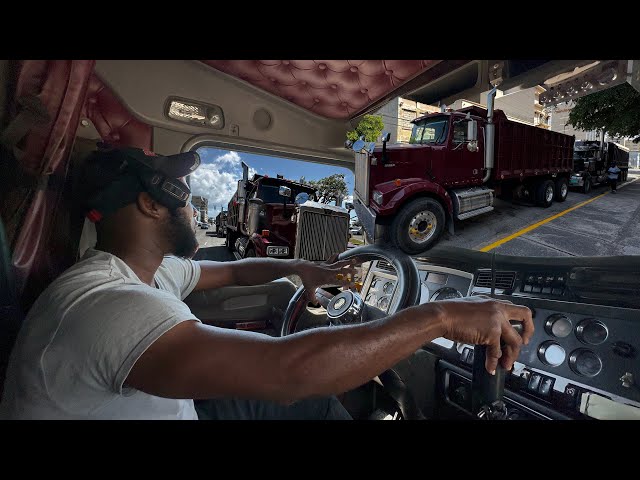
[417, 226]
[545, 191]
[586, 188]
[562, 189]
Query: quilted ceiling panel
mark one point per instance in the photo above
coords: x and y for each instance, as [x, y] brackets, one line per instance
[330, 88]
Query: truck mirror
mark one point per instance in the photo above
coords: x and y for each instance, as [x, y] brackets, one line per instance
[284, 191]
[472, 131]
[386, 136]
[348, 205]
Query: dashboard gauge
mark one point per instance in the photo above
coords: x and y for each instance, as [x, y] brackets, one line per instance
[371, 299]
[585, 362]
[383, 303]
[388, 288]
[591, 331]
[550, 353]
[558, 325]
[446, 293]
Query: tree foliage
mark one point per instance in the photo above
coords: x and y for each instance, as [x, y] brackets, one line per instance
[615, 110]
[330, 188]
[370, 127]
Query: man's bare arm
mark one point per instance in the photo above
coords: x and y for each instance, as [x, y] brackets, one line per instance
[198, 361]
[257, 271]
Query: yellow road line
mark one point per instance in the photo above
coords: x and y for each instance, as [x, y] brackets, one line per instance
[540, 223]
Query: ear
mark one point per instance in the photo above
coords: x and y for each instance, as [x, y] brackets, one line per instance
[149, 207]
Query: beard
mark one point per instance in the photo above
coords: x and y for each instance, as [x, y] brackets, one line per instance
[180, 234]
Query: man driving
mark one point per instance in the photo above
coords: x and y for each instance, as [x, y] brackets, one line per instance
[111, 338]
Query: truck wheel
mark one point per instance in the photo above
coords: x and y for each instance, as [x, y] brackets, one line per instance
[562, 189]
[586, 188]
[417, 226]
[545, 191]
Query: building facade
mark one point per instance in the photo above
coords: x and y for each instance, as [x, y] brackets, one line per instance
[202, 204]
[397, 115]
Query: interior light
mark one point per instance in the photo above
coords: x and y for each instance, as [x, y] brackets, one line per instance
[195, 113]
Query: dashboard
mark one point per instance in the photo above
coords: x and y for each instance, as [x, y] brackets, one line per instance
[582, 361]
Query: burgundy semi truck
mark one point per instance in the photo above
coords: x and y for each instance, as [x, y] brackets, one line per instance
[453, 166]
[275, 217]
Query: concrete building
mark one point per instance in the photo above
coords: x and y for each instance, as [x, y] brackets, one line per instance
[202, 204]
[397, 116]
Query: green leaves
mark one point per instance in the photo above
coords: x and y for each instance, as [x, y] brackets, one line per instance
[330, 188]
[370, 127]
[615, 110]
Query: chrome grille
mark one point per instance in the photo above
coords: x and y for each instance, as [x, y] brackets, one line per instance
[321, 233]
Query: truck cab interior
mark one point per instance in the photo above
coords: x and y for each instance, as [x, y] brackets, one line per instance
[582, 362]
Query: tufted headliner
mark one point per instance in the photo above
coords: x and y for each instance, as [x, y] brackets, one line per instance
[330, 88]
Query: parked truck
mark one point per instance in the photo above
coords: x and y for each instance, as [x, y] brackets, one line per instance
[276, 217]
[591, 159]
[454, 165]
[221, 224]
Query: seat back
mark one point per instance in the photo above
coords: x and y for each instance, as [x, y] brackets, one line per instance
[10, 312]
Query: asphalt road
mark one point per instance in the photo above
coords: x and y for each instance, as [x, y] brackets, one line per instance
[607, 225]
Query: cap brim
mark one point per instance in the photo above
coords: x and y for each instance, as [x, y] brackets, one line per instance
[175, 166]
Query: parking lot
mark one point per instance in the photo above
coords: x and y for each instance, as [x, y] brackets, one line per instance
[595, 224]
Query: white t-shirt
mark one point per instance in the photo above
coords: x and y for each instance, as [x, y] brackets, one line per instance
[84, 334]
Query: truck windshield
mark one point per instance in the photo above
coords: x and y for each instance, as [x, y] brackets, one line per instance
[429, 131]
[584, 155]
[270, 194]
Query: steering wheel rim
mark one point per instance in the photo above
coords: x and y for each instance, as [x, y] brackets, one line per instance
[406, 272]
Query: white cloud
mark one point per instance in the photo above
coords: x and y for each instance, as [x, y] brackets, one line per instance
[218, 180]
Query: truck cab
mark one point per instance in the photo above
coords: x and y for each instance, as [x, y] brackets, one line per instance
[276, 217]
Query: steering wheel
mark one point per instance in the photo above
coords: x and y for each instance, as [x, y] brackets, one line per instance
[348, 307]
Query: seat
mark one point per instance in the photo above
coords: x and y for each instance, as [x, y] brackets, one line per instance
[11, 315]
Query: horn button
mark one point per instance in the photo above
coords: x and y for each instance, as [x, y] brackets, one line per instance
[345, 308]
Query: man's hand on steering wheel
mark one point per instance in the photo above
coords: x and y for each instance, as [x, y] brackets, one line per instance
[330, 272]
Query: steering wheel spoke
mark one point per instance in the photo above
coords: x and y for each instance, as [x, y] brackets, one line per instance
[324, 297]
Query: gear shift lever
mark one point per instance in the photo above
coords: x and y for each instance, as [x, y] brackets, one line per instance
[487, 389]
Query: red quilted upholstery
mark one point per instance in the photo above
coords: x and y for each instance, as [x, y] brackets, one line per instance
[331, 88]
[114, 122]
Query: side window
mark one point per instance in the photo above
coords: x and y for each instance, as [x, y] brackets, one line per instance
[416, 134]
[460, 132]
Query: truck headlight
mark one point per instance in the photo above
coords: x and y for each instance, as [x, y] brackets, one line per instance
[277, 251]
[377, 197]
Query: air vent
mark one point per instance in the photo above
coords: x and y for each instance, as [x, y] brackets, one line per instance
[386, 266]
[504, 280]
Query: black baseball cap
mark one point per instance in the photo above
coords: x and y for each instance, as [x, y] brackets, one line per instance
[113, 177]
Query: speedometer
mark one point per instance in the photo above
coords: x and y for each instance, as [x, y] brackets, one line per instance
[388, 288]
[446, 293]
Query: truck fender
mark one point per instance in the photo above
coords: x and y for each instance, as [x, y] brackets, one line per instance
[408, 192]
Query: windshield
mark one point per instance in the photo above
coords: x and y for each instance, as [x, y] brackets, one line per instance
[585, 155]
[432, 130]
[270, 193]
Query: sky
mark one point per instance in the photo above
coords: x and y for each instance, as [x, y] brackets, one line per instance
[218, 175]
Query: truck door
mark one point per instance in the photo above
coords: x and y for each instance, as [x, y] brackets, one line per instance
[462, 164]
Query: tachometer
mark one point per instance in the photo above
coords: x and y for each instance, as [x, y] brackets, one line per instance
[388, 288]
[383, 303]
[446, 293]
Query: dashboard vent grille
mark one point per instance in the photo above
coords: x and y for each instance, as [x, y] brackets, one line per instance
[504, 280]
[386, 266]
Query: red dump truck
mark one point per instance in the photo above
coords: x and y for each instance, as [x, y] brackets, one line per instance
[453, 166]
[275, 217]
